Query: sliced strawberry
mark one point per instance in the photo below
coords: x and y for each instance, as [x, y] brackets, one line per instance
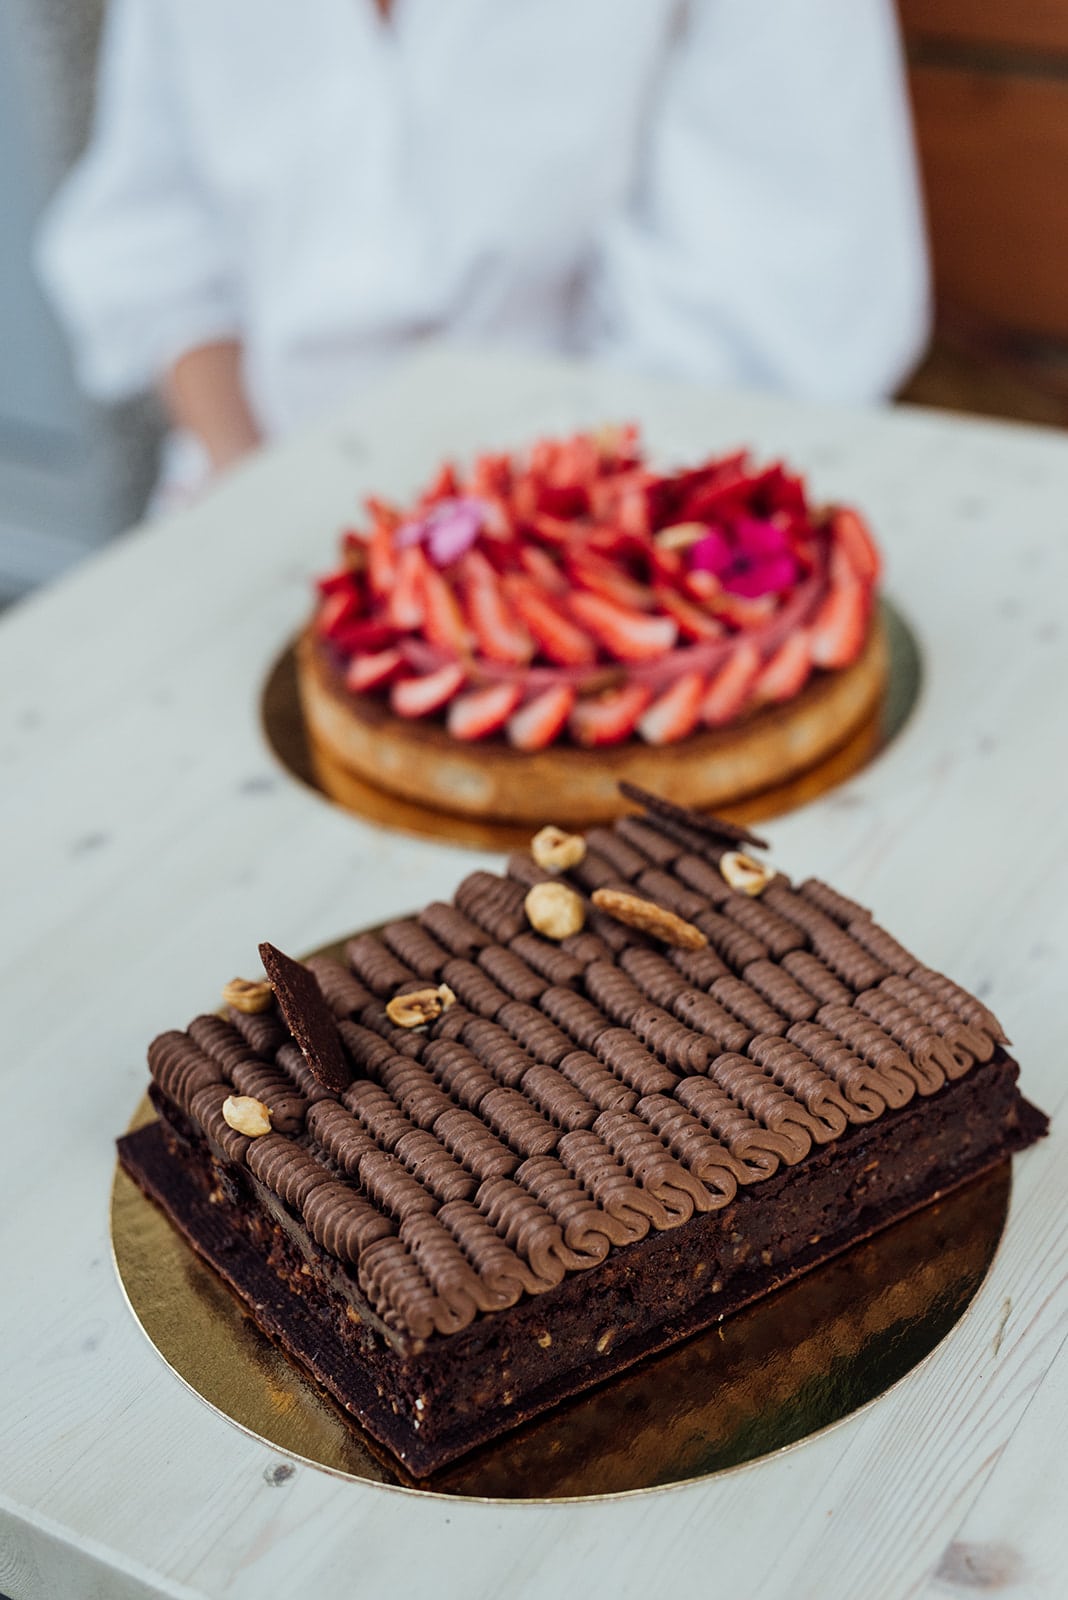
[363, 637]
[540, 565]
[557, 637]
[744, 611]
[542, 719]
[628, 635]
[406, 606]
[499, 634]
[850, 533]
[381, 560]
[336, 582]
[609, 581]
[674, 714]
[784, 675]
[338, 609]
[607, 718]
[443, 623]
[840, 625]
[419, 697]
[483, 711]
[732, 685]
[373, 671]
[694, 622]
[443, 486]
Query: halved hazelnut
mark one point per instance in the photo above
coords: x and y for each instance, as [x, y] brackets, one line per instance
[556, 850]
[555, 910]
[246, 1115]
[421, 1006]
[743, 873]
[248, 995]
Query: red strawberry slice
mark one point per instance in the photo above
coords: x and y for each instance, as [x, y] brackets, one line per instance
[745, 611]
[607, 718]
[840, 625]
[850, 533]
[443, 621]
[542, 719]
[556, 636]
[732, 685]
[373, 671]
[784, 675]
[693, 621]
[337, 610]
[381, 559]
[406, 606]
[499, 634]
[419, 697]
[483, 711]
[363, 637]
[628, 635]
[335, 582]
[674, 714]
[611, 583]
[542, 568]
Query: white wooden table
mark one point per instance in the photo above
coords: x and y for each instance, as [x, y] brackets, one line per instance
[148, 842]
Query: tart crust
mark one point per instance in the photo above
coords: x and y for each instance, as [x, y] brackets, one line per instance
[356, 738]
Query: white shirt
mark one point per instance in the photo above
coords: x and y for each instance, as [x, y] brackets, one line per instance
[723, 190]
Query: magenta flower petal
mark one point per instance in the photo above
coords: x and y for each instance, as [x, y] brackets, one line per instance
[755, 540]
[762, 577]
[711, 554]
[447, 529]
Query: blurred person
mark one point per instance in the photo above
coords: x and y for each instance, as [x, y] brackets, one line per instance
[278, 200]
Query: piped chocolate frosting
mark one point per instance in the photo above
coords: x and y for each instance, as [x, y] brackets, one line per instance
[577, 1094]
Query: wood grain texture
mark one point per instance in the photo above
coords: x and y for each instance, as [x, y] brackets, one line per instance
[994, 152]
[149, 844]
[1040, 25]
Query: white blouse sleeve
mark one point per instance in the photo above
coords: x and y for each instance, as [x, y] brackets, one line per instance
[130, 250]
[775, 234]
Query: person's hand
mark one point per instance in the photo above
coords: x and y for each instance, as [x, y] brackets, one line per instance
[204, 393]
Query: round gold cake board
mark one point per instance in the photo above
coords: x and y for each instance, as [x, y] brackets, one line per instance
[790, 1366]
[285, 731]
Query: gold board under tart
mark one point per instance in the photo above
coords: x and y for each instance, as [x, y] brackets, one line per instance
[789, 1366]
[880, 701]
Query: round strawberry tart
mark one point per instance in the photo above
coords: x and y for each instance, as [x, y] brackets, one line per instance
[551, 623]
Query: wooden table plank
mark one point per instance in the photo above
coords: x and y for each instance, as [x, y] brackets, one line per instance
[149, 843]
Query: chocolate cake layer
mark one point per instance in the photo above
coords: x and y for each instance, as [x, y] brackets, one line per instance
[542, 1157]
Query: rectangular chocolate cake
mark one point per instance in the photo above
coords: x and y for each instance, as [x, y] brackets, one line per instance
[511, 1145]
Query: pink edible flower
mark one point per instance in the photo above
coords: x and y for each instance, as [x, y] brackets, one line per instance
[448, 529]
[750, 558]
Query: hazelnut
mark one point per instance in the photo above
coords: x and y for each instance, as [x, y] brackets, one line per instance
[554, 910]
[248, 995]
[743, 873]
[415, 1010]
[246, 1115]
[556, 850]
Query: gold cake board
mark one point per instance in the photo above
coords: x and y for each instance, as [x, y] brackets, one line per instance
[881, 717]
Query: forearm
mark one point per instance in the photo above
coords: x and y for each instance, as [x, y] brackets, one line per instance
[204, 393]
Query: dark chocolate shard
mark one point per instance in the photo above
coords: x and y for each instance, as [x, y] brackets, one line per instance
[714, 827]
[308, 1018]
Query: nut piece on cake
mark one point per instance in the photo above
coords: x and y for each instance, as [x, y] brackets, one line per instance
[648, 917]
[248, 995]
[421, 1006]
[556, 850]
[743, 873]
[246, 1115]
[555, 910]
